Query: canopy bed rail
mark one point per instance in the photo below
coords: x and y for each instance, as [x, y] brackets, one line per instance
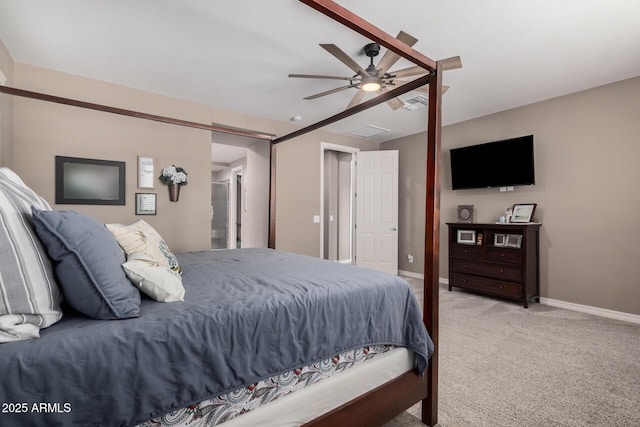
[389, 400]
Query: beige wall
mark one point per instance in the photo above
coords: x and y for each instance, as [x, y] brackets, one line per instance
[298, 189]
[587, 147]
[43, 130]
[412, 178]
[6, 110]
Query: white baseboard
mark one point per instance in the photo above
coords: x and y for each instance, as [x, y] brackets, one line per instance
[603, 312]
[442, 280]
[411, 274]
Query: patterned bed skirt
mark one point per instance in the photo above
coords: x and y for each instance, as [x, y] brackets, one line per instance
[217, 410]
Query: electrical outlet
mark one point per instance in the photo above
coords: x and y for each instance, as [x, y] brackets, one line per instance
[410, 258]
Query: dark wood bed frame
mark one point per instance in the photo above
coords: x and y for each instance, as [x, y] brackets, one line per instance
[391, 399]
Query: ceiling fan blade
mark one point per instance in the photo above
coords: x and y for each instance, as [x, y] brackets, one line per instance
[391, 57]
[315, 76]
[452, 63]
[344, 58]
[394, 103]
[357, 99]
[408, 72]
[425, 89]
[329, 92]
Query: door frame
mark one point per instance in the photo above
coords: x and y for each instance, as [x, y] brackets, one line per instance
[326, 146]
[233, 191]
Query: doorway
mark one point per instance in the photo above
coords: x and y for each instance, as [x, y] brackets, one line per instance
[337, 205]
[219, 214]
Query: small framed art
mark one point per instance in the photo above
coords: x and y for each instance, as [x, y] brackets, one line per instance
[467, 237]
[146, 203]
[499, 239]
[513, 240]
[465, 213]
[523, 213]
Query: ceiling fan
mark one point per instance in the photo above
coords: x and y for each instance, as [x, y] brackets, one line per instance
[375, 77]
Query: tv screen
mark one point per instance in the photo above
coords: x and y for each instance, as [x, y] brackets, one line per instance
[502, 163]
[89, 181]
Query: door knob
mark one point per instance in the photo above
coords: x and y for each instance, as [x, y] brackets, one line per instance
[393, 229]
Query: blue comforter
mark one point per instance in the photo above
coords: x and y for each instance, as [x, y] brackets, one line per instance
[248, 314]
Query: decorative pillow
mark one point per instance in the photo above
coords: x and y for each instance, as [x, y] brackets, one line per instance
[30, 296]
[88, 264]
[160, 283]
[141, 237]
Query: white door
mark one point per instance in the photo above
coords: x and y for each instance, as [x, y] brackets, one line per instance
[377, 210]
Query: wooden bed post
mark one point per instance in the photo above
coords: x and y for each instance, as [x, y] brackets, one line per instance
[272, 197]
[432, 243]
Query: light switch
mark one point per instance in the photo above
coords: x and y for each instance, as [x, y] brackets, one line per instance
[316, 219]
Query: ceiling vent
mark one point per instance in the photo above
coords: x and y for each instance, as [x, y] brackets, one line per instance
[419, 101]
[368, 131]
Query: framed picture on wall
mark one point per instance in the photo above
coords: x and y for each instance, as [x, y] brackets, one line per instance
[82, 181]
[146, 203]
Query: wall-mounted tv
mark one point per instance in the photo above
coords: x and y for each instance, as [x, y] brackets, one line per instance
[89, 181]
[504, 163]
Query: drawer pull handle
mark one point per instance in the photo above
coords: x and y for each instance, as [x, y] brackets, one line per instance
[502, 255]
[466, 266]
[501, 271]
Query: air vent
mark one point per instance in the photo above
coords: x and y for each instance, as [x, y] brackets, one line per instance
[419, 101]
[368, 131]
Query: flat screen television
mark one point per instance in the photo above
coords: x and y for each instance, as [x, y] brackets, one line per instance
[504, 163]
[89, 181]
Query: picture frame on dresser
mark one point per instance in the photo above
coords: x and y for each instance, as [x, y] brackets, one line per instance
[467, 237]
[523, 213]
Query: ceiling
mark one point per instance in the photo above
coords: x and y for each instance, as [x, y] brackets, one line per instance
[236, 55]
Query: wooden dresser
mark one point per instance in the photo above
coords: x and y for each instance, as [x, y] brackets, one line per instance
[495, 259]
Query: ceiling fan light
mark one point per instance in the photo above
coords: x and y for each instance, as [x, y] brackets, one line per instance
[370, 84]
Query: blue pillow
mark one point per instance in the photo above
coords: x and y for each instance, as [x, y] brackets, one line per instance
[88, 264]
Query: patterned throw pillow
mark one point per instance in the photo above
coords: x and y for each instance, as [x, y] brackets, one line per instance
[30, 296]
[160, 283]
[140, 237]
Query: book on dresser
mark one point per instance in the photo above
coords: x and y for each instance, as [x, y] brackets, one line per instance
[498, 259]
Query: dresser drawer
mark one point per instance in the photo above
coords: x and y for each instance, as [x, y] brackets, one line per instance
[512, 273]
[467, 251]
[495, 287]
[511, 255]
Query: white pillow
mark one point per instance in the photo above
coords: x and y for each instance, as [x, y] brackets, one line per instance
[159, 282]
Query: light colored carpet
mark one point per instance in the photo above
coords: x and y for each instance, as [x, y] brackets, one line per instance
[503, 365]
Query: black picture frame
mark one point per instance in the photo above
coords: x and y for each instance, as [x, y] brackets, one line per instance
[146, 203]
[81, 181]
[523, 213]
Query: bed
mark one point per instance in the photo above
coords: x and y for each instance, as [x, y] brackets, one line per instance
[397, 391]
[248, 314]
